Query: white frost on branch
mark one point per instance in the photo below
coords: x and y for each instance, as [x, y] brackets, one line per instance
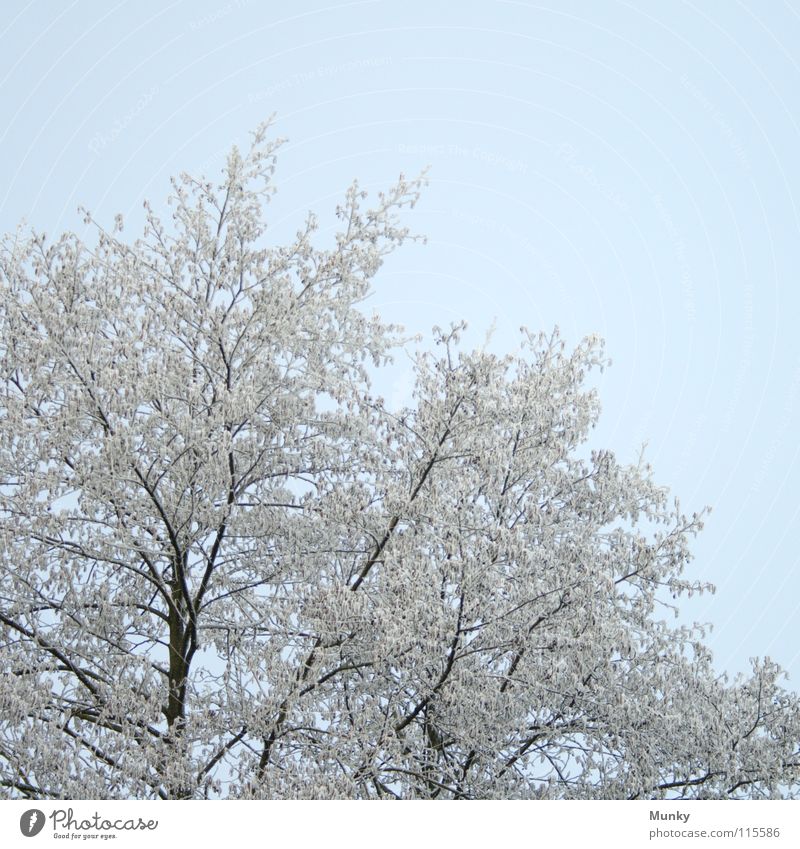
[228, 570]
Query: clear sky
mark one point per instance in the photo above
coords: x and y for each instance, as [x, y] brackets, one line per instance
[623, 168]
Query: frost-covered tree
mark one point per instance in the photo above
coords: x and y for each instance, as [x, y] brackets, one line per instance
[228, 569]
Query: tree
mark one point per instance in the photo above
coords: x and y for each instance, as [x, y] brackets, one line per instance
[228, 569]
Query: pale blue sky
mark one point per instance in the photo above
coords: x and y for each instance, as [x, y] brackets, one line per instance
[623, 168]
